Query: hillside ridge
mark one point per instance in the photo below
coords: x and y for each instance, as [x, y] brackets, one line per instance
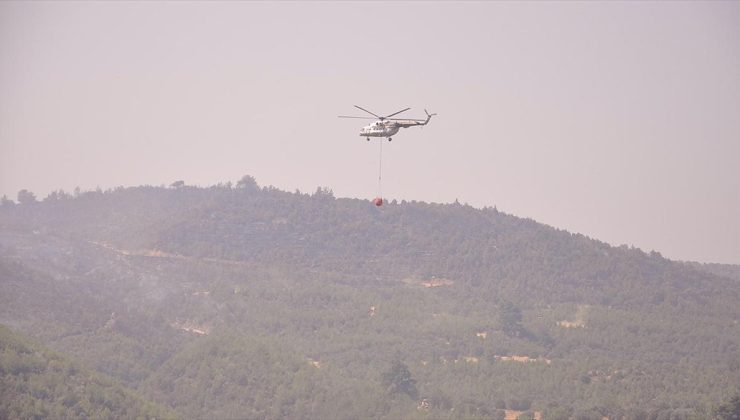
[171, 290]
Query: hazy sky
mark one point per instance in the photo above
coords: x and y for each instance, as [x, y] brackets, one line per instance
[620, 121]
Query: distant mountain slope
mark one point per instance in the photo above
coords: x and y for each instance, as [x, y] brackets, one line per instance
[162, 287]
[731, 271]
[37, 383]
[499, 254]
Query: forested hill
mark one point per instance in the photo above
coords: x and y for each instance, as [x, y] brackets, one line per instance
[495, 254]
[240, 301]
[38, 383]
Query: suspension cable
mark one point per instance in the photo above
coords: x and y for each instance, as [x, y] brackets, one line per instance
[380, 170]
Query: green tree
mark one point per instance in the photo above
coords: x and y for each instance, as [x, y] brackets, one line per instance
[729, 410]
[510, 317]
[26, 197]
[247, 182]
[397, 379]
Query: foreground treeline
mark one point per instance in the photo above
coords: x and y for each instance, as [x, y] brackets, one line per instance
[248, 302]
[38, 383]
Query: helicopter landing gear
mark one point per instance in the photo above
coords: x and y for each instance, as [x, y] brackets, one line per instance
[390, 139]
[368, 139]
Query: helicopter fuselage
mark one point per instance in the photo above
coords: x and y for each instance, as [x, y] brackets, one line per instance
[380, 129]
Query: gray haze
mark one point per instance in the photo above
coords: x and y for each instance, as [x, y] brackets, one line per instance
[620, 121]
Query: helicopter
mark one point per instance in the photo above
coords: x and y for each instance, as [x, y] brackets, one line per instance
[387, 126]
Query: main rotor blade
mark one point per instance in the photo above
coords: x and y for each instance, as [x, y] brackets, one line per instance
[396, 113]
[364, 118]
[371, 113]
[404, 119]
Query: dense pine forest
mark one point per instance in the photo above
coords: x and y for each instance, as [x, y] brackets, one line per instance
[240, 301]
